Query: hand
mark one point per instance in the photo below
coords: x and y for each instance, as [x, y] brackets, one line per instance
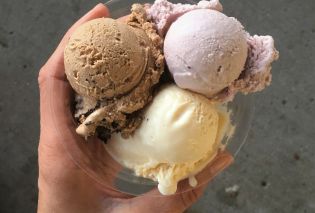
[63, 185]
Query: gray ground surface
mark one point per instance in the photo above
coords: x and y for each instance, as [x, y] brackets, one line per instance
[274, 171]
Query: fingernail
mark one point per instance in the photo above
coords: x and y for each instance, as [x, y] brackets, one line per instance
[99, 5]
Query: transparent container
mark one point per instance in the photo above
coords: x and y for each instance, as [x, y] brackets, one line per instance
[94, 160]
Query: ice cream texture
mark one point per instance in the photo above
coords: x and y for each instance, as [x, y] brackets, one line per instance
[209, 57]
[113, 67]
[110, 65]
[163, 12]
[180, 134]
[210, 53]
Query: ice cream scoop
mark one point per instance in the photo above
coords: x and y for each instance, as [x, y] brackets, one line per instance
[113, 67]
[106, 58]
[205, 51]
[180, 134]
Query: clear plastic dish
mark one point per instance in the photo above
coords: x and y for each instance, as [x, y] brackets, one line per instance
[92, 157]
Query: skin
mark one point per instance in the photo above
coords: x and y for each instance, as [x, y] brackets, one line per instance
[63, 185]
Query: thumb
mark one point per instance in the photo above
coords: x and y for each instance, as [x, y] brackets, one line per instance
[154, 202]
[56, 95]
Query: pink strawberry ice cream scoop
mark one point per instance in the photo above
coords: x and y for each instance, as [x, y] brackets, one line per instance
[210, 53]
[205, 51]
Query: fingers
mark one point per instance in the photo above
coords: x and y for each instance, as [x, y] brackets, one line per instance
[55, 65]
[154, 202]
[123, 19]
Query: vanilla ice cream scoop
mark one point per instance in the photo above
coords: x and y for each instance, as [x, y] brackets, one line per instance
[179, 135]
[205, 51]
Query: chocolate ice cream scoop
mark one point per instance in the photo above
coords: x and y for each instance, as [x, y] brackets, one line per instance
[106, 58]
[113, 67]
